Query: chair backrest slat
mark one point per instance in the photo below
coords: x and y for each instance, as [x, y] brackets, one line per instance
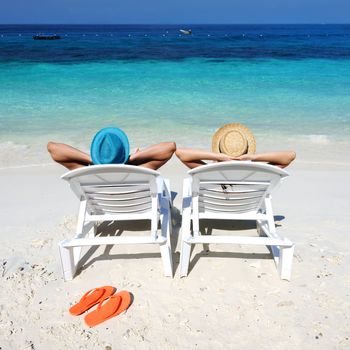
[118, 188]
[120, 204]
[101, 208]
[233, 209]
[228, 195]
[228, 202]
[118, 197]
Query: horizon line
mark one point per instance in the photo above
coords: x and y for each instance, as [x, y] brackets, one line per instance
[177, 24]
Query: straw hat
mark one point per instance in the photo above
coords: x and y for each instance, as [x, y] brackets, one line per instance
[234, 140]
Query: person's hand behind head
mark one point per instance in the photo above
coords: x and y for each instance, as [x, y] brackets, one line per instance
[245, 157]
[222, 157]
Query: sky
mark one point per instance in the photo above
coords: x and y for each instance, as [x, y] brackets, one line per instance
[173, 12]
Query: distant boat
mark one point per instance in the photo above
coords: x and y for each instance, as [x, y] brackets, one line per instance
[46, 37]
[186, 32]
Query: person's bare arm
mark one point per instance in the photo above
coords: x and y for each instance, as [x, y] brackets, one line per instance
[68, 156]
[281, 159]
[154, 156]
[151, 157]
[196, 157]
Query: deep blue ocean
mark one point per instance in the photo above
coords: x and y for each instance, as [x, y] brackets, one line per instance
[289, 83]
[91, 43]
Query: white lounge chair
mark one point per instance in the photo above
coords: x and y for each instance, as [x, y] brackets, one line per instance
[117, 193]
[237, 190]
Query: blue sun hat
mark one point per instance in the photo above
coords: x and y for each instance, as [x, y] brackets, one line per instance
[110, 146]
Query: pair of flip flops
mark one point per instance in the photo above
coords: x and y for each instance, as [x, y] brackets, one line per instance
[108, 304]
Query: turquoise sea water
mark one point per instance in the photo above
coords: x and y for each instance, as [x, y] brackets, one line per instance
[287, 102]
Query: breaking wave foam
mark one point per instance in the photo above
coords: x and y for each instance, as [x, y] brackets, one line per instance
[319, 139]
[16, 154]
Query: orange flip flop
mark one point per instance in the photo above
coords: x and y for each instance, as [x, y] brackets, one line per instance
[91, 298]
[109, 308]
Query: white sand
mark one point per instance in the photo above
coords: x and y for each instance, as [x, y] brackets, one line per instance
[232, 298]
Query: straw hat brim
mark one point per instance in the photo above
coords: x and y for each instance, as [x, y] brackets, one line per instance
[243, 130]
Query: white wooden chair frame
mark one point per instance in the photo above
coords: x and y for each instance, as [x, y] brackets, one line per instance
[236, 205]
[118, 193]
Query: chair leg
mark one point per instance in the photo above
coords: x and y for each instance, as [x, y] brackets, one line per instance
[165, 251]
[169, 228]
[259, 229]
[67, 261]
[93, 231]
[285, 262]
[168, 192]
[206, 247]
[185, 258]
[165, 248]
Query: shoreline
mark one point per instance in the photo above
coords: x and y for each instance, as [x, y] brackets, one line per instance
[321, 153]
